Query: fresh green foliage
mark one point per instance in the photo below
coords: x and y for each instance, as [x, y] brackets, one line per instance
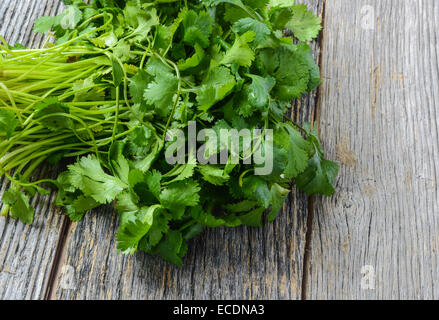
[8, 122]
[123, 74]
[19, 205]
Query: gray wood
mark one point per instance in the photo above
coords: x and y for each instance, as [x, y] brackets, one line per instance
[242, 263]
[379, 118]
[27, 252]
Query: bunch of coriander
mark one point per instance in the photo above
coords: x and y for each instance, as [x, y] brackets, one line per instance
[122, 75]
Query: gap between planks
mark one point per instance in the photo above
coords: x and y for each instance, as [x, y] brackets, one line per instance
[60, 252]
[311, 199]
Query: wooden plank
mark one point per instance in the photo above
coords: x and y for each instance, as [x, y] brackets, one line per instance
[27, 252]
[241, 263]
[379, 117]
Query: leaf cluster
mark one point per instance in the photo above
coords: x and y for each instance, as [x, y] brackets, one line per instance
[141, 69]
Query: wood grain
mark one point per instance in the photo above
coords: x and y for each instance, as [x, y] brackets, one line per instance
[27, 252]
[242, 263]
[379, 118]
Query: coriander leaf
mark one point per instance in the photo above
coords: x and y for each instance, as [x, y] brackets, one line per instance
[253, 218]
[269, 61]
[127, 202]
[17, 46]
[242, 104]
[243, 206]
[186, 170]
[304, 24]
[137, 86]
[279, 17]
[118, 72]
[192, 231]
[258, 4]
[70, 18]
[297, 155]
[259, 91]
[85, 90]
[165, 34]
[153, 180]
[297, 149]
[256, 189]
[88, 176]
[141, 20]
[119, 164]
[19, 205]
[223, 144]
[134, 229]
[214, 174]
[194, 60]
[314, 71]
[155, 67]
[44, 24]
[208, 220]
[88, 13]
[240, 52]
[232, 14]
[179, 195]
[292, 76]
[77, 209]
[290, 66]
[140, 141]
[108, 40]
[319, 176]
[218, 85]
[123, 51]
[281, 3]
[8, 122]
[160, 227]
[278, 196]
[146, 185]
[160, 93]
[212, 3]
[197, 28]
[49, 113]
[261, 30]
[144, 163]
[171, 248]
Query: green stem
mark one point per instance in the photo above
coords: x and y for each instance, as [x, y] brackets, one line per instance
[32, 167]
[177, 71]
[116, 119]
[64, 45]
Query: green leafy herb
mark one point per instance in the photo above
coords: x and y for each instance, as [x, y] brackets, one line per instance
[124, 83]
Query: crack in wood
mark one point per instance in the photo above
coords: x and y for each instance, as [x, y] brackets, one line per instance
[310, 218]
[60, 251]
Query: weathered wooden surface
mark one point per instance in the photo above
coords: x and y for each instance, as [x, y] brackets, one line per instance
[27, 252]
[82, 261]
[379, 117]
